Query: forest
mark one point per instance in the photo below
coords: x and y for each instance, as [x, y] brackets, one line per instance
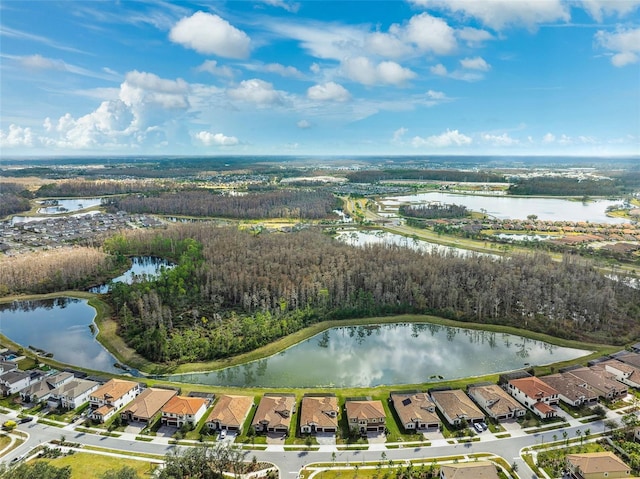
[233, 291]
[76, 187]
[563, 186]
[434, 211]
[298, 204]
[374, 176]
[14, 198]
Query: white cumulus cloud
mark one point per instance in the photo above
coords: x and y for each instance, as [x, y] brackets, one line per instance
[439, 70]
[549, 138]
[474, 37]
[216, 139]
[477, 63]
[624, 43]
[212, 35]
[431, 34]
[499, 14]
[211, 66]
[256, 91]
[16, 136]
[499, 140]
[329, 91]
[363, 70]
[598, 9]
[304, 124]
[446, 139]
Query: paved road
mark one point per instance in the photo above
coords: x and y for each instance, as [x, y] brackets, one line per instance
[291, 462]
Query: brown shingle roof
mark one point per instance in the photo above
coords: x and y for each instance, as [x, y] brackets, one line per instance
[499, 401]
[365, 410]
[318, 410]
[275, 410]
[114, 389]
[415, 407]
[183, 405]
[149, 402]
[597, 462]
[457, 404]
[231, 410]
[571, 387]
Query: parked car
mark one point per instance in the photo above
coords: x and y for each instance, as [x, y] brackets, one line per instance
[223, 434]
[484, 426]
[477, 427]
[26, 419]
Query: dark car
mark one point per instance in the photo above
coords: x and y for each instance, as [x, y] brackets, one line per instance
[26, 419]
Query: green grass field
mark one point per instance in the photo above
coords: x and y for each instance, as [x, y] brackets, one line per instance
[92, 466]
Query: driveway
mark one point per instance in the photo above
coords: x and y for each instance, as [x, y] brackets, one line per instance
[276, 439]
[376, 437]
[432, 434]
[166, 431]
[326, 438]
[135, 427]
[511, 425]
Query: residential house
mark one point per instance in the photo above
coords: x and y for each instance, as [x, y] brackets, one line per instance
[114, 394]
[416, 411]
[230, 412]
[41, 390]
[469, 470]
[594, 465]
[274, 413]
[181, 410]
[456, 407]
[535, 394]
[6, 366]
[625, 373]
[601, 381]
[366, 415]
[147, 405]
[72, 394]
[14, 381]
[571, 389]
[629, 358]
[319, 413]
[496, 402]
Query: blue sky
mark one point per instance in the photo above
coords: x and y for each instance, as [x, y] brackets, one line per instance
[273, 77]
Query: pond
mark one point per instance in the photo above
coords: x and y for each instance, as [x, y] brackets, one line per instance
[67, 205]
[142, 267]
[60, 326]
[387, 354]
[368, 237]
[509, 207]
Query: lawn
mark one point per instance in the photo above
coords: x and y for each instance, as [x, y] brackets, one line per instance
[92, 466]
[4, 441]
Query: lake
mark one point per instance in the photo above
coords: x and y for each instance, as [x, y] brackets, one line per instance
[68, 205]
[387, 354]
[59, 326]
[509, 207]
[141, 267]
[370, 237]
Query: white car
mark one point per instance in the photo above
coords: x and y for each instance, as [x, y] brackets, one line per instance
[223, 434]
[477, 427]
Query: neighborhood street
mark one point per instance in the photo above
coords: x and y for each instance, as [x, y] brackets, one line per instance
[290, 462]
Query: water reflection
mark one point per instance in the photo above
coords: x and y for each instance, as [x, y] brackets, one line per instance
[60, 326]
[67, 205]
[143, 268]
[399, 353]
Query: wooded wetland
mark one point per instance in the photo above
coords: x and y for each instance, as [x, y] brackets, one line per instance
[257, 260]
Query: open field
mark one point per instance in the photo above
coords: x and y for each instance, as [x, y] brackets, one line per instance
[93, 466]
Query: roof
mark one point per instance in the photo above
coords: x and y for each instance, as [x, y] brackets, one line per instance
[319, 410]
[74, 388]
[149, 402]
[39, 389]
[543, 407]
[275, 410]
[597, 462]
[114, 389]
[59, 377]
[103, 410]
[470, 470]
[456, 404]
[534, 387]
[599, 379]
[498, 401]
[182, 405]
[630, 358]
[231, 410]
[364, 410]
[12, 377]
[416, 407]
[570, 386]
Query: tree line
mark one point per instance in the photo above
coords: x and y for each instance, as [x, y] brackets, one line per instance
[233, 291]
[434, 211]
[57, 270]
[563, 186]
[77, 187]
[375, 176]
[14, 198]
[300, 204]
